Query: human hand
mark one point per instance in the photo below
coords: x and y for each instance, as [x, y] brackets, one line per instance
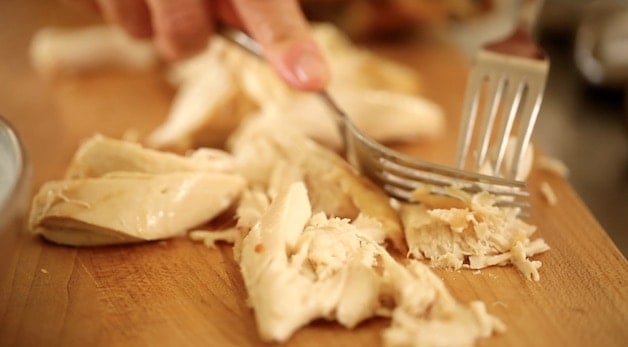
[180, 28]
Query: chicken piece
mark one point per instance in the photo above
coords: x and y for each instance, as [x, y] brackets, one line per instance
[204, 112]
[253, 205]
[355, 68]
[298, 267]
[100, 155]
[414, 117]
[119, 192]
[210, 237]
[71, 51]
[385, 116]
[334, 186]
[337, 189]
[472, 232]
[284, 269]
[128, 207]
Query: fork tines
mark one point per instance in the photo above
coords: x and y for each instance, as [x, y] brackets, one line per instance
[402, 181]
[512, 90]
[400, 175]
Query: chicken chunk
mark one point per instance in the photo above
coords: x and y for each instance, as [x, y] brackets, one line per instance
[119, 192]
[100, 155]
[56, 51]
[130, 207]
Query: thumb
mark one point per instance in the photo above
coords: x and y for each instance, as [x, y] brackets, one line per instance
[283, 32]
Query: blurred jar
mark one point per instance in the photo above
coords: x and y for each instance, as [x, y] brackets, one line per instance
[601, 44]
[14, 191]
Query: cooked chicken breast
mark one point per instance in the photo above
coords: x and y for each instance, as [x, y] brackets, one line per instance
[119, 192]
[99, 155]
[129, 207]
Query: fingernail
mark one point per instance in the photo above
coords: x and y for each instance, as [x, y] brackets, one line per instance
[310, 70]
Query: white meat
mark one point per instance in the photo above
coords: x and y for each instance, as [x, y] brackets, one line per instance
[298, 267]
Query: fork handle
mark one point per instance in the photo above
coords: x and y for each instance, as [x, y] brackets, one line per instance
[520, 41]
[529, 13]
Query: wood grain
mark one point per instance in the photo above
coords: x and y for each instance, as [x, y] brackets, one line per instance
[177, 292]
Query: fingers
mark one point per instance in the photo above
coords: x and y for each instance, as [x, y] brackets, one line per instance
[181, 27]
[224, 12]
[178, 27]
[131, 15]
[282, 30]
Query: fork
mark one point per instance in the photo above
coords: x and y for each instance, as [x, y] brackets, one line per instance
[509, 75]
[397, 173]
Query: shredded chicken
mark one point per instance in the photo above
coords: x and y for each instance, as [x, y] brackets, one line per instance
[299, 266]
[471, 232]
[267, 150]
[210, 237]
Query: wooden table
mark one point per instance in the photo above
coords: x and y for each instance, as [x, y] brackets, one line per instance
[180, 293]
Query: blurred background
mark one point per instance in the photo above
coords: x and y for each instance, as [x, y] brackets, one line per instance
[584, 117]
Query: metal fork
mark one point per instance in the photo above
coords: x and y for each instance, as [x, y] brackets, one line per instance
[513, 71]
[399, 174]
[509, 76]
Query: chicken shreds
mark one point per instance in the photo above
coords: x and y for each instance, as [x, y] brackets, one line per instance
[299, 266]
[270, 153]
[118, 192]
[470, 231]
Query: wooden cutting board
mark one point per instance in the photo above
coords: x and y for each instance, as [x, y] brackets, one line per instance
[178, 293]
